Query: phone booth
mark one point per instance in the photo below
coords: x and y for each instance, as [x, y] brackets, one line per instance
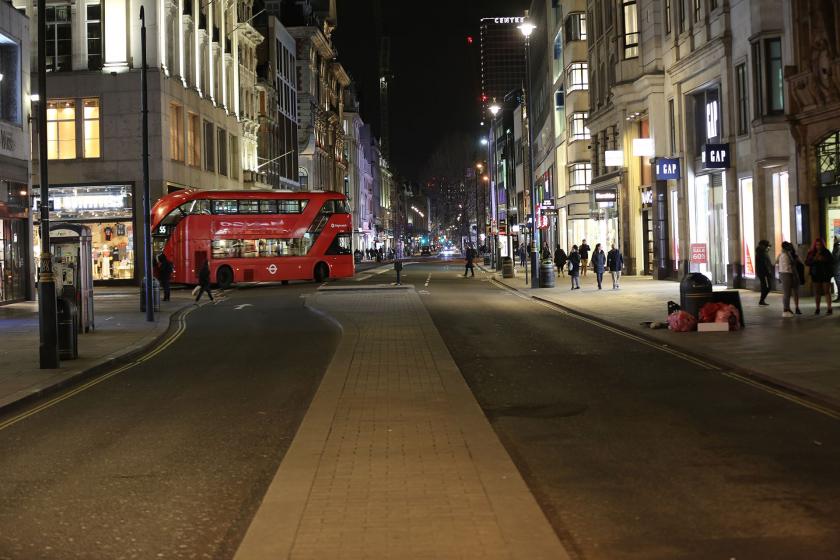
[70, 245]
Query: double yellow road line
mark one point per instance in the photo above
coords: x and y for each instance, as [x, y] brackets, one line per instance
[167, 342]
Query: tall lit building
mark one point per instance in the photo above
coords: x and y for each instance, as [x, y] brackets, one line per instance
[502, 58]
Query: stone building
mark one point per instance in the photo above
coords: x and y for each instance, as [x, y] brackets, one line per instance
[94, 122]
[359, 176]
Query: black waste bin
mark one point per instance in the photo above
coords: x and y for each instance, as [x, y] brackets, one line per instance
[695, 291]
[548, 275]
[507, 267]
[155, 295]
[68, 329]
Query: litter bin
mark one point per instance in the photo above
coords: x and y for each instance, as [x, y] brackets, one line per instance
[68, 329]
[155, 295]
[548, 275]
[507, 267]
[695, 291]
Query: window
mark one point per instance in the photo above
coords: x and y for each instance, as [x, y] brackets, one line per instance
[667, 16]
[580, 176]
[758, 79]
[234, 157]
[747, 226]
[775, 80]
[672, 131]
[682, 14]
[94, 36]
[341, 245]
[176, 132]
[91, 127]
[10, 102]
[291, 206]
[59, 38]
[209, 147]
[61, 129]
[577, 127]
[578, 77]
[251, 248]
[741, 86]
[225, 207]
[303, 178]
[698, 10]
[576, 27]
[193, 143]
[631, 29]
[223, 157]
[249, 206]
[268, 206]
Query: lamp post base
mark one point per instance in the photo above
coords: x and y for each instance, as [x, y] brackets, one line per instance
[535, 269]
[48, 313]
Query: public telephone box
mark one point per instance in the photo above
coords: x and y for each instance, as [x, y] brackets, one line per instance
[70, 245]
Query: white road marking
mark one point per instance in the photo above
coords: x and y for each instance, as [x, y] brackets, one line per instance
[428, 279]
[242, 306]
[424, 292]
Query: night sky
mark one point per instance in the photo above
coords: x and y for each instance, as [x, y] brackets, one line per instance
[437, 82]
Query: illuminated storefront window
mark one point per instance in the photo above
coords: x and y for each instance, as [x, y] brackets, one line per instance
[108, 210]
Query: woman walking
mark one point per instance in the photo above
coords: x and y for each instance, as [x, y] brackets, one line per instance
[574, 267]
[821, 265]
[560, 259]
[764, 269]
[789, 275]
[599, 262]
[204, 282]
[615, 262]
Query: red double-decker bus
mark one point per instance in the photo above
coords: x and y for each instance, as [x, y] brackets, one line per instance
[254, 236]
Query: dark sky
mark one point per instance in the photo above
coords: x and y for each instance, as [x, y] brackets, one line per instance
[436, 72]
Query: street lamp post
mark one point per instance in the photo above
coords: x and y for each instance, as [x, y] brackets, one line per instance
[478, 168]
[527, 28]
[47, 309]
[147, 205]
[494, 185]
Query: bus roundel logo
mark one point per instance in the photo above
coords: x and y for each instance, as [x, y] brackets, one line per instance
[272, 268]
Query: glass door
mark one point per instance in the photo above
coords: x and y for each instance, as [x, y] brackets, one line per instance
[718, 239]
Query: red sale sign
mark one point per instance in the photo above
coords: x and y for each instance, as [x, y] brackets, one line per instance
[698, 253]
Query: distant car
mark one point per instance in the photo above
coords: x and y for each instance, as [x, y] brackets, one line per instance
[425, 252]
[449, 251]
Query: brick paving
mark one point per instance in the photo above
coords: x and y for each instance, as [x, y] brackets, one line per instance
[798, 353]
[395, 459]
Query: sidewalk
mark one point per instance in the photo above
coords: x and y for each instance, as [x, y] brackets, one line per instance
[121, 330]
[394, 458]
[799, 354]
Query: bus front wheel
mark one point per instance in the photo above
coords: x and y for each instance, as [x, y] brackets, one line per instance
[224, 277]
[322, 272]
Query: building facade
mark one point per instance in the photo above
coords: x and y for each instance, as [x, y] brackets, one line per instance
[16, 265]
[94, 126]
[359, 177]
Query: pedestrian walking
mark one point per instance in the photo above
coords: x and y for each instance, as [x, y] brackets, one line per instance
[599, 263]
[204, 282]
[584, 256]
[470, 256]
[560, 260]
[523, 254]
[615, 263]
[574, 267]
[821, 266]
[165, 270]
[789, 276]
[835, 254]
[764, 269]
[398, 266]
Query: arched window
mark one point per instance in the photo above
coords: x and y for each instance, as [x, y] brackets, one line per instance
[303, 178]
[828, 160]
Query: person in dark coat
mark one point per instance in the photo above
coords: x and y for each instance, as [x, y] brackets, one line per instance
[835, 254]
[821, 265]
[764, 269]
[615, 263]
[599, 263]
[584, 256]
[574, 267]
[470, 257]
[204, 282]
[165, 270]
[560, 259]
[545, 252]
[523, 254]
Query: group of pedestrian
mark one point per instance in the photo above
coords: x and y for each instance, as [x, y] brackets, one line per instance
[579, 259]
[823, 265]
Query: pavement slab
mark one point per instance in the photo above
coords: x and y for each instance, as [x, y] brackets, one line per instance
[394, 458]
[793, 353]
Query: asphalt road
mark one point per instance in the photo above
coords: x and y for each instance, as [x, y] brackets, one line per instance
[632, 452]
[171, 458]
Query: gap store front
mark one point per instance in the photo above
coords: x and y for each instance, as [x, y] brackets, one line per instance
[108, 210]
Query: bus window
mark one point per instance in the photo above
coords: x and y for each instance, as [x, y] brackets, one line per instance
[328, 207]
[249, 206]
[197, 207]
[268, 207]
[341, 245]
[226, 248]
[290, 206]
[225, 207]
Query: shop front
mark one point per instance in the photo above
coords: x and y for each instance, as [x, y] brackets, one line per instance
[14, 220]
[108, 210]
[828, 168]
[708, 215]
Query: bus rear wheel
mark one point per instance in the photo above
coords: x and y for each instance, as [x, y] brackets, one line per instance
[224, 277]
[322, 272]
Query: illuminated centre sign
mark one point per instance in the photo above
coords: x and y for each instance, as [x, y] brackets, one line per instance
[506, 20]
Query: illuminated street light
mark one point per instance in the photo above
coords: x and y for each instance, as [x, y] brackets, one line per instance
[484, 141]
[494, 109]
[526, 28]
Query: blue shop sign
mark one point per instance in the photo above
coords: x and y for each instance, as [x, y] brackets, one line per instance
[667, 169]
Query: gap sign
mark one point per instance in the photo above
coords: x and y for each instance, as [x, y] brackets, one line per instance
[667, 169]
[716, 156]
